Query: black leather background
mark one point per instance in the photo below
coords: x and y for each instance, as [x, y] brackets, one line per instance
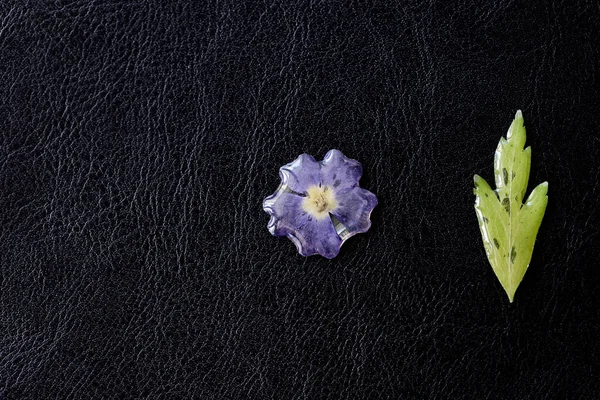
[138, 141]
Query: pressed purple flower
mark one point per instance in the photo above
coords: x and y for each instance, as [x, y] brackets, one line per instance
[319, 205]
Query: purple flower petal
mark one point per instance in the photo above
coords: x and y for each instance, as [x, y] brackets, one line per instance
[286, 213]
[354, 210]
[301, 173]
[317, 237]
[339, 171]
[310, 235]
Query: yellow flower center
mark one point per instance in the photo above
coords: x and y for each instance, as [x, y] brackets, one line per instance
[319, 201]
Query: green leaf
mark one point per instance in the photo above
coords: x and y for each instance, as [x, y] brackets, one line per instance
[509, 227]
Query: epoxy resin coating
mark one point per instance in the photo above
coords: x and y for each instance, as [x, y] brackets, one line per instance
[319, 205]
[508, 227]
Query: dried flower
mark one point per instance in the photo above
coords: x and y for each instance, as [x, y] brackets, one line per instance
[319, 205]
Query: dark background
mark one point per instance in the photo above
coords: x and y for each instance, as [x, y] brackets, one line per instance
[139, 139]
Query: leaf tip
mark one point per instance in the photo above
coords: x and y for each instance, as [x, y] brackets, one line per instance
[516, 127]
[518, 115]
[510, 292]
[478, 182]
[544, 188]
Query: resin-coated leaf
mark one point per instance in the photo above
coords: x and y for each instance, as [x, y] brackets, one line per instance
[509, 227]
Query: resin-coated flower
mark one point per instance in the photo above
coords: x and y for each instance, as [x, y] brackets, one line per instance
[319, 204]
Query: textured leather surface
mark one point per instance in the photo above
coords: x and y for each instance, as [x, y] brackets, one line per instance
[139, 139]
